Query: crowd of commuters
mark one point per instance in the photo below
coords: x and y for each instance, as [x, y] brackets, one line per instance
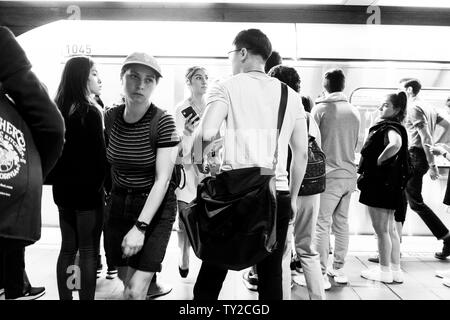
[116, 171]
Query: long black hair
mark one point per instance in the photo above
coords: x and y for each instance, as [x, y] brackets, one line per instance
[399, 101]
[73, 94]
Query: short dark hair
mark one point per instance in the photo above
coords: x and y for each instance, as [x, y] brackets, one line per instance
[308, 103]
[255, 41]
[274, 60]
[287, 75]
[413, 83]
[335, 80]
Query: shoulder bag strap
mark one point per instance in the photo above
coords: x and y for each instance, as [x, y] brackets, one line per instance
[281, 113]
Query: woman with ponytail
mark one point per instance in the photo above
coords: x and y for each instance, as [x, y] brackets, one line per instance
[383, 170]
[197, 81]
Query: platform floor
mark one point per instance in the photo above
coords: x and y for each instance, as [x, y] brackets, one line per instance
[418, 263]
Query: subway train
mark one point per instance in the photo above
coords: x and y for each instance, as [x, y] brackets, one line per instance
[373, 57]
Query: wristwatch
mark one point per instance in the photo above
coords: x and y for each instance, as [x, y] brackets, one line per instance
[141, 226]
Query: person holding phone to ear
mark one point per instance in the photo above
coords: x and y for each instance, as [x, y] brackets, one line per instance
[187, 116]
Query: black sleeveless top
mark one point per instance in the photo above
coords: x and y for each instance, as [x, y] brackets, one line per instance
[381, 186]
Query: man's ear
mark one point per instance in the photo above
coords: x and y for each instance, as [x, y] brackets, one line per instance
[243, 54]
[409, 90]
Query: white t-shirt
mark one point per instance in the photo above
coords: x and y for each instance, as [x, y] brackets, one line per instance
[253, 100]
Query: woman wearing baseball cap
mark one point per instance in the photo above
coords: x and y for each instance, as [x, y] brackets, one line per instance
[142, 146]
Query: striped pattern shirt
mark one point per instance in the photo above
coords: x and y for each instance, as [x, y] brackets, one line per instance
[132, 159]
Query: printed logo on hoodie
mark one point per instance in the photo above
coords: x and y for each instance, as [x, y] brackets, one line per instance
[12, 150]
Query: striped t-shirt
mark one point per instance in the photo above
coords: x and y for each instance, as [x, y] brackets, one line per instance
[130, 154]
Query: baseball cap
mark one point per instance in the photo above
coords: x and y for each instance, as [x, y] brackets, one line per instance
[143, 59]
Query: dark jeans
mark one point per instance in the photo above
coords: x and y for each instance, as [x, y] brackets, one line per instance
[210, 277]
[12, 268]
[108, 256]
[80, 230]
[414, 194]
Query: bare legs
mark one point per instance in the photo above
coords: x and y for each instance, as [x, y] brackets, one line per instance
[388, 237]
[136, 283]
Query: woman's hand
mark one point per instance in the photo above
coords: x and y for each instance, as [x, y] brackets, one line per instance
[190, 124]
[437, 150]
[133, 242]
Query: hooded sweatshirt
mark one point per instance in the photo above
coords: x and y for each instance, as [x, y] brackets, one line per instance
[31, 140]
[338, 123]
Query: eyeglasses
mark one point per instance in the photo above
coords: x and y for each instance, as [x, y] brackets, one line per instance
[237, 50]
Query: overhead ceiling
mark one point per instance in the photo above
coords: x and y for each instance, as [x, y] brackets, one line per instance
[21, 16]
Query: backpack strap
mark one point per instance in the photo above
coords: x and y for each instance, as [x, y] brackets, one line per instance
[153, 133]
[111, 116]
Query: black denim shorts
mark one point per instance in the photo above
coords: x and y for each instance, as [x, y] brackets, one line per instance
[124, 208]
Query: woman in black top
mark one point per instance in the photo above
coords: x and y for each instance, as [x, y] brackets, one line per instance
[382, 177]
[78, 177]
[142, 146]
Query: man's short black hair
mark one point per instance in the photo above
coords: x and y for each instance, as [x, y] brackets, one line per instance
[335, 80]
[255, 41]
[274, 60]
[413, 83]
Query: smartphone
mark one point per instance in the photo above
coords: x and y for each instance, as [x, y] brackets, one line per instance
[189, 111]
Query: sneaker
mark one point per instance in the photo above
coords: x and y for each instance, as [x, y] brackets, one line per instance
[250, 280]
[32, 294]
[326, 283]
[338, 275]
[446, 282]
[111, 274]
[376, 274]
[299, 279]
[374, 258]
[397, 276]
[445, 251]
[443, 273]
[157, 289]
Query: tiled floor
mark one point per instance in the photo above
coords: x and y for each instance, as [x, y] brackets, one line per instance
[418, 264]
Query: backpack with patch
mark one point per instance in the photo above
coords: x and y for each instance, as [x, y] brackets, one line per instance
[178, 179]
[314, 181]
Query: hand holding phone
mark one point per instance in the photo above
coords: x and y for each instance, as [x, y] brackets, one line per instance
[189, 112]
[191, 119]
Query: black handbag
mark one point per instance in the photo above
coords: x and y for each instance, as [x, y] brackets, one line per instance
[314, 181]
[232, 222]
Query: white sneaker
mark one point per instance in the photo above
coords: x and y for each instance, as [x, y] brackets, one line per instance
[376, 274]
[326, 283]
[443, 273]
[397, 276]
[446, 282]
[338, 275]
[299, 279]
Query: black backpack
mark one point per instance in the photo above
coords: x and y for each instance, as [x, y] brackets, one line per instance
[314, 181]
[178, 179]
